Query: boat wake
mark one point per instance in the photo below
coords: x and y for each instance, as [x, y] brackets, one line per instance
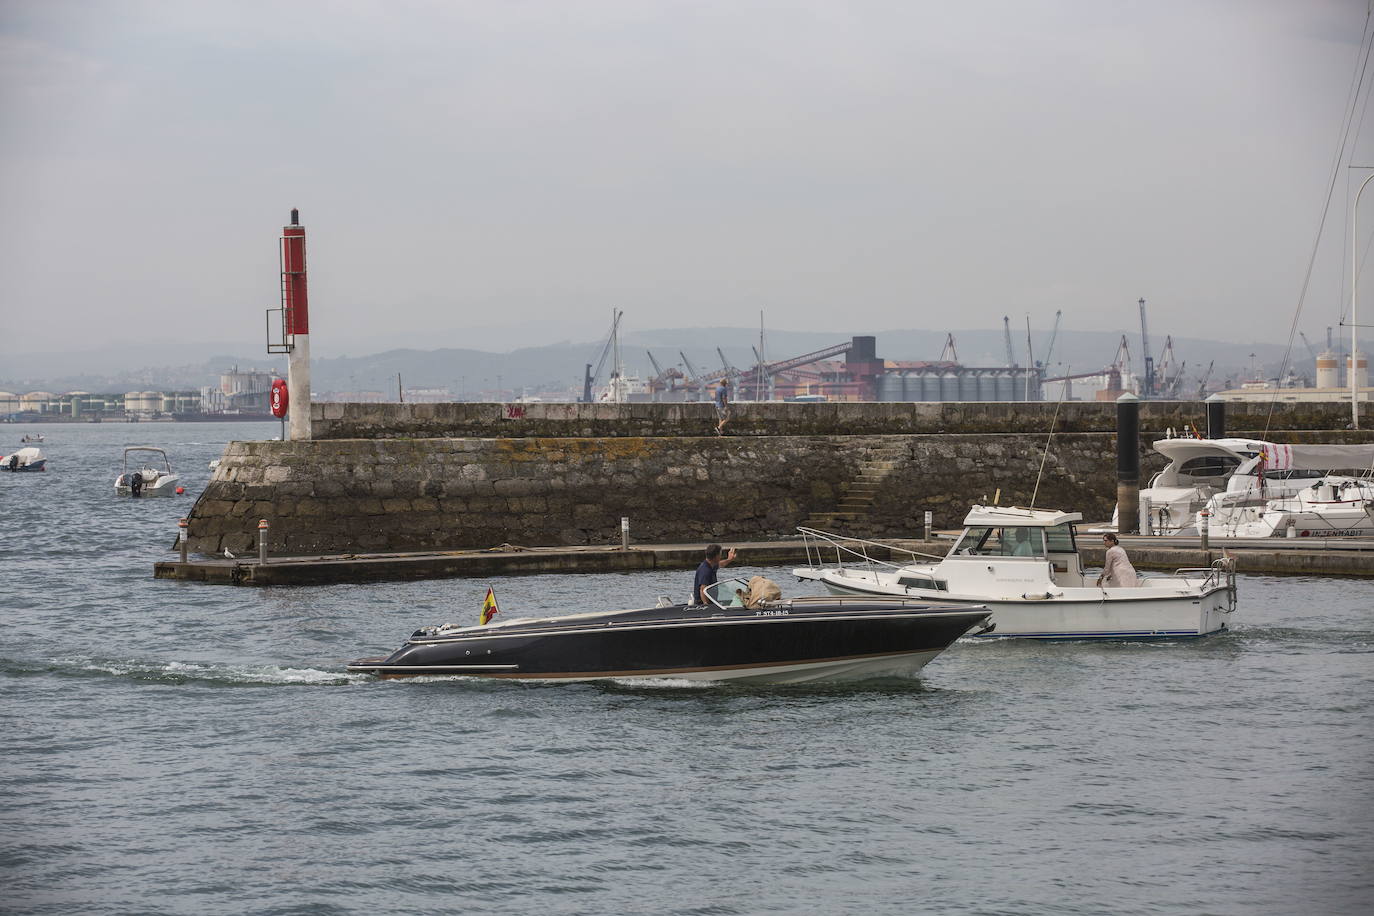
[174, 672]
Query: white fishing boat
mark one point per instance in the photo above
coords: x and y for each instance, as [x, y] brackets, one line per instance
[144, 476]
[1024, 565]
[1228, 473]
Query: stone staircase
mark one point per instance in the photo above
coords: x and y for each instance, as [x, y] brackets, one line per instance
[858, 495]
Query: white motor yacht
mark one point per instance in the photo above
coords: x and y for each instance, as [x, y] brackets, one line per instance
[1333, 507]
[144, 476]
[1234, 473]
[1024, 565]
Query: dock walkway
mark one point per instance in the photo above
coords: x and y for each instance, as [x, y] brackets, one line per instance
[1273, 556]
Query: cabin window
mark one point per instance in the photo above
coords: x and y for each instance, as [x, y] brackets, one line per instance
[1060, 539]
[939, 585]
[1002, 542]
[1208, 466]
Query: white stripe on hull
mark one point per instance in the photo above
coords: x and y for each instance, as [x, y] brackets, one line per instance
[1055, 619]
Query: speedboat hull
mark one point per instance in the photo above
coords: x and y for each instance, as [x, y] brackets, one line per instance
[162, 485]
[1166, 612]
[798, 641]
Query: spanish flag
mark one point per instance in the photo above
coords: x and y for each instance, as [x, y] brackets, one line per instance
[489, 608]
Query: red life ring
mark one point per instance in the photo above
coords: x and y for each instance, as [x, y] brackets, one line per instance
[281, 398]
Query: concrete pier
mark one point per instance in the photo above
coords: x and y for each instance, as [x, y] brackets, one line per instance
[1276, 556]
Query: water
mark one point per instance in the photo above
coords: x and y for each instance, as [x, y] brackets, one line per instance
[177, 748]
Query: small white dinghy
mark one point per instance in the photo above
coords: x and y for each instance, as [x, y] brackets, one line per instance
[1024, 565]
[143, 477]
[25, 459]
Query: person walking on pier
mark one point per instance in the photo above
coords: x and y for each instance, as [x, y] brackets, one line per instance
[706, 572]
[722, 405]
[1117, 571]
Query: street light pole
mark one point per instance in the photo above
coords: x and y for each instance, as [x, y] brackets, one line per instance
[1354, 321]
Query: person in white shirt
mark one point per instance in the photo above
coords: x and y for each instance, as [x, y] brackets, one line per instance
[1117, 571]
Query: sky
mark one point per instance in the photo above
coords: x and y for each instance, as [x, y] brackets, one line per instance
[504, 174]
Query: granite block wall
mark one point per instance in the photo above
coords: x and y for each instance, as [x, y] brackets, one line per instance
[342, 496]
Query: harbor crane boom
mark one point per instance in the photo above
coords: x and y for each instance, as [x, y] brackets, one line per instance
[1054, 335]
[1147, 384]
[1202, 382]
[725, 363]
[1006, 332]
[1308, 344]
[694, 376]
[949, 349]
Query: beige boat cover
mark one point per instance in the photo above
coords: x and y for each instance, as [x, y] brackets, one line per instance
[762, 590]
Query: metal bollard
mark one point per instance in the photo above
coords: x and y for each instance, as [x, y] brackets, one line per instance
[262, 540]
[1203, 519]
[181, 538]
[624, 532]
[930, 520]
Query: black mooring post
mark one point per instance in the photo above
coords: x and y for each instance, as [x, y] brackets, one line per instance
[1127, 464]
[1216, 417]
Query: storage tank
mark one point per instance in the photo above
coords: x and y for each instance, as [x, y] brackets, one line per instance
[1328, 370]
[1361, 371]
[35, 400]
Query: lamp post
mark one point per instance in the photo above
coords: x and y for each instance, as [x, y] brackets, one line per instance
[1354, 322]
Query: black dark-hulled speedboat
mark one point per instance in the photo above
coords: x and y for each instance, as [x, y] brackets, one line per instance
[793, 640]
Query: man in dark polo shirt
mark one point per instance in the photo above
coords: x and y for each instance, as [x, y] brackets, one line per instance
[706, 572]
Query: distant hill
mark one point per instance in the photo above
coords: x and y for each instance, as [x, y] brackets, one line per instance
[556, 367]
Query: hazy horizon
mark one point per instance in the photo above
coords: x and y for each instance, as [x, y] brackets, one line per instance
[498, 176]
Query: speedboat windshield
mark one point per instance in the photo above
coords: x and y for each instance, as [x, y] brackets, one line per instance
[727, 593]
[1011, 541]
[143, 454]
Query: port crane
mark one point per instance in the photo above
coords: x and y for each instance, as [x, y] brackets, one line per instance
[948, 350]
[1006, 332]
[1054, 335]
[663, 378]
[695, 379]
[612, 344]
[1202, 382]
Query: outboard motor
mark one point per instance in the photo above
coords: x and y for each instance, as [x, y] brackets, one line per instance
[14, 462]
[136, 484]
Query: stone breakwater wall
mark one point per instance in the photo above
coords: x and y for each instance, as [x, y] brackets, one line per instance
[371, 495]
[463, 420]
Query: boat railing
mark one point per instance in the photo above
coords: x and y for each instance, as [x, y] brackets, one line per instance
[1221, 574]
[818, 545]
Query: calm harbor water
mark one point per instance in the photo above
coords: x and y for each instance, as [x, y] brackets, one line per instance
[180, 748]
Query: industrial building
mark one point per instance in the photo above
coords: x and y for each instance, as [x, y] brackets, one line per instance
[864, 376]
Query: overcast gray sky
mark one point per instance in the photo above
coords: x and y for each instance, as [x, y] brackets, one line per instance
[496, 174]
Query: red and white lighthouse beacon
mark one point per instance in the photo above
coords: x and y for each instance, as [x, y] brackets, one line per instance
[295, 327]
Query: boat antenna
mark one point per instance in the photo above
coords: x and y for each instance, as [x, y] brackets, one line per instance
[1068, 370]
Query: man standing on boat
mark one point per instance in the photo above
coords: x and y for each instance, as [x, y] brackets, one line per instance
[1117, 571]
[706, 572]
